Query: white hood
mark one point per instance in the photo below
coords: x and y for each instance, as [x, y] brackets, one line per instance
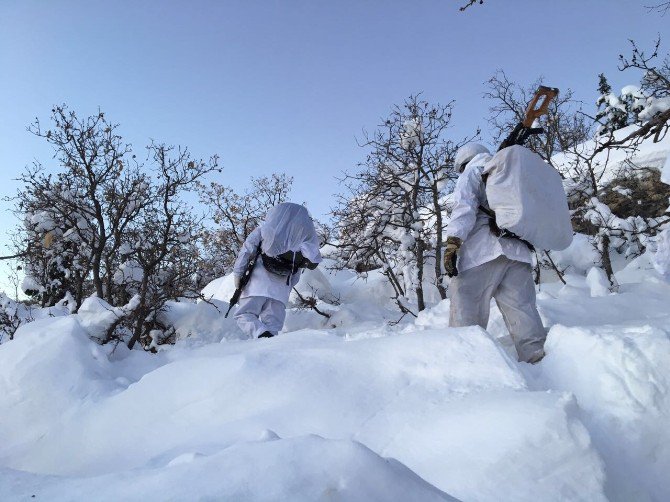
[288, 227]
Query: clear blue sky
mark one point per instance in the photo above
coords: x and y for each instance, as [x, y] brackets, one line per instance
[288, 85]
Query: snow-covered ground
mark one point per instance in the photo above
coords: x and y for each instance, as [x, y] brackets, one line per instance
[356, 406]
[348, 408]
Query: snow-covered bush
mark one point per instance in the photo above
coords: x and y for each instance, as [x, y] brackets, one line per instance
[626, 202]
[74, 216]
[56, 259]
[99, 319]
[100, 224]
[162, 245]
[12, 315]
[613, 111]
[616, 198]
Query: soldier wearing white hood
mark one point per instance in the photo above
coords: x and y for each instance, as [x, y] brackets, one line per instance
[488, 266]
[285, 243]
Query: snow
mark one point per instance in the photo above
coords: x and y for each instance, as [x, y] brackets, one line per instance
[411, 133]
[129, 271]
[203, 322]
[579, 257]
[597, 282]
[315, 283]
[302, 469]
[220, 289]
[623, 389]
[661, 259]
[95, 315]
[43, 221]
[654, 106]
[348, 408]
[54, 363]
[647, 155]
[426, 400]
[665, 174]
[29, 283]
[632, 90]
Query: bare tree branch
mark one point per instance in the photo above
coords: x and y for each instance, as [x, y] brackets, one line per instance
[470, 3]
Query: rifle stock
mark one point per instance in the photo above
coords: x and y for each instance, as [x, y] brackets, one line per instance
[534, 111]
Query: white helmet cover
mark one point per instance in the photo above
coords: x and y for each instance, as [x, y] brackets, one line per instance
[468, 152]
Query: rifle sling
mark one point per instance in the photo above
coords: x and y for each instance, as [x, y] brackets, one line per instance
[501, 232]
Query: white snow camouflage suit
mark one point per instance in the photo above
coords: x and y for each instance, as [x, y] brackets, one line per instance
[262, 305]
[491, 267]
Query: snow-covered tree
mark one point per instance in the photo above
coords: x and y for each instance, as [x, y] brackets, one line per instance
[99, 223]
[612, 110]
[75, 214]
[653, 101]
[563, 126]
[160, 250]
[235, 216]
[594, 182]
[392, 218]
[621, 204]
[650, 101]
[54, 263]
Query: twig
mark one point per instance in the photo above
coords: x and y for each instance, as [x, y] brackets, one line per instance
[470, 3]
[310, 303]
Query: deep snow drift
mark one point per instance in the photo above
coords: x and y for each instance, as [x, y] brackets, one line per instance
[359, 411]
[356, 406]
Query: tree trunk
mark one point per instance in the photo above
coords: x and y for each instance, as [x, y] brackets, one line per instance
[395, 283]
[438, 244]
[109, 282]
[607, 262]
[79, 291]
[141, 312]
[97, 280]
[419, 287]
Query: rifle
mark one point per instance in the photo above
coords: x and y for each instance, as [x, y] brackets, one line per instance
[525, 128]
[244, 280]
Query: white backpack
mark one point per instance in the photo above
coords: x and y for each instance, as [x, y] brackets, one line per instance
[528, 199]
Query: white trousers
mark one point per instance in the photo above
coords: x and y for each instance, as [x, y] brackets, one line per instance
[510, 282]
[257, 314]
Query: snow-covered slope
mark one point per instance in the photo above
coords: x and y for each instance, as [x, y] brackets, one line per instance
[454, 409]
[304, 468]
[648, 154]
[362, 411]
[348, 406]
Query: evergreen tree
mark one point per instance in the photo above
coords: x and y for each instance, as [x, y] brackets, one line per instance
[612, 110]
[604, 87]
